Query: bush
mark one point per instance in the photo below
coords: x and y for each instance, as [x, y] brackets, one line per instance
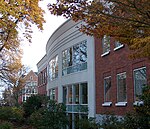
[85, 123]
[34, 103]
[11, 113]
[6, 125]
[112, 122]
[5, 113]
[51, 117]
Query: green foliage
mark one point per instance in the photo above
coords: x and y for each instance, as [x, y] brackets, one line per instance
[137, 119]
[141, 117]
[34, 103]
[145, 97]
[51, 117]
[11, 114]
[5, 113]
[112, 122]
[131, 121]
[87, 123]
[6, 125]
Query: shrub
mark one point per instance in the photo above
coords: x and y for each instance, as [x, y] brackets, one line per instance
[5, 113]
[112, 122]
[6, 125]
[85, 123]
[51, 117]
[11, 113]
[34, 103]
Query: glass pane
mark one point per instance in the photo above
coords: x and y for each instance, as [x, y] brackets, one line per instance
[64, 95]
[73, 58]
[84, 93]
[64, 64]
[121, 87]
[64, 72]
[76, 90]
[106, 43]
[83, 52]
[117, 44]
[83, 66]
[52, 94]
[64, 54]
[76, 54]
[139, 81]
[107, 87]
[56, 64]
[69, 57]
[53, 68]
[70, 94]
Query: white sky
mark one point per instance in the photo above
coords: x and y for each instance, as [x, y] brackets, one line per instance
[36, 50]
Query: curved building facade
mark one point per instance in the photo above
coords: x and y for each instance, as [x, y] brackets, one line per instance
[70, 63]
[91, 76]
[70, 56]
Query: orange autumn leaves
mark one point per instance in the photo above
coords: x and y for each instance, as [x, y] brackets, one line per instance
[126, 20]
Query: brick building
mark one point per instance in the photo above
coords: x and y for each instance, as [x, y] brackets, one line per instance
[88, 73]
[42, 76]
[30, 86]
[119, 79]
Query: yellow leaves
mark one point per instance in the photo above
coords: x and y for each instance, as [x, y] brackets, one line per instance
[15, 11]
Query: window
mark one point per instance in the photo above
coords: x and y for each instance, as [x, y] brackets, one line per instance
[107, 88]
[106, 44]
[70, 94]
[121, 87]
[76, 91]
[74, 59]
[53, 68]
[139, 81]
[84, 93]
[52, 94]
[31, 78]
[24, 99]
[118, 45]
[65, 95]
[75, 94]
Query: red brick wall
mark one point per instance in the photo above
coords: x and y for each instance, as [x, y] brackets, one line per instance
[110, 65]
[42, 82]
[33, 75]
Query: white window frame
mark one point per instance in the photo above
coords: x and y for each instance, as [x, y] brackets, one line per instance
[73, 105]
[118, 47]
[104, 53]
[137, 102]
[76, 65]
[118, 102]
[51, 94]
[56, 72]
[106, 103]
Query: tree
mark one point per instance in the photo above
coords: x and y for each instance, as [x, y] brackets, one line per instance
[7, 97]
[17, 82]
[34, 103]
[128, 21]
[16, 15]
[52, 116]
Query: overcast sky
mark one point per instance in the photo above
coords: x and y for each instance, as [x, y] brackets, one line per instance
[36, 50]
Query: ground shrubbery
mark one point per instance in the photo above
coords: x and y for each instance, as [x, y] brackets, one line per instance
[52, 117]
[37, 113]
[40, 113]
[11, 114]
[6, 125]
